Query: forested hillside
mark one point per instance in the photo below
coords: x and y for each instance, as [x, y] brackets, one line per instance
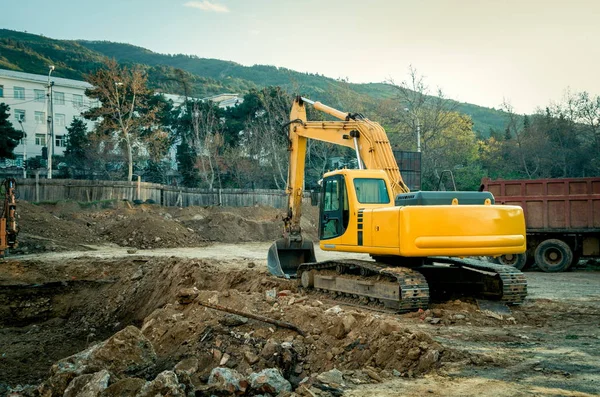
[74, 59]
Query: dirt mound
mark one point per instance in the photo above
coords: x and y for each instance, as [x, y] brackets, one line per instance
[240, 224]
[69, 225]
[41, 230]
[146, 231]
[95, 298]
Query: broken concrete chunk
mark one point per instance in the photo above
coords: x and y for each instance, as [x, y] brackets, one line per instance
[88, 385]
[228, 380]
[165, 384]
[333, 378]
[188, 366]
[269, 381]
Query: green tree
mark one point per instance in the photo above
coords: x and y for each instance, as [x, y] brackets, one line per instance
[77, 146]
[9, 136]
[125, 111]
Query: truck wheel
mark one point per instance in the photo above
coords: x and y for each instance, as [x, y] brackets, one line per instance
[518, 261]
[553, 255]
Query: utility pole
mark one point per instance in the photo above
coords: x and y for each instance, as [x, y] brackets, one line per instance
[418, 128]
[24, 142]
[50, 148]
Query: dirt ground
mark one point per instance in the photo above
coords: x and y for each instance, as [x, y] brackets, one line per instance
[83, 275]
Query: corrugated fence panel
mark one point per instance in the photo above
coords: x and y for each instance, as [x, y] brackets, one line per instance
[87, 191]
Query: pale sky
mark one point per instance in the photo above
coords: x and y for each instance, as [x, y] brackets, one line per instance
[477, 51]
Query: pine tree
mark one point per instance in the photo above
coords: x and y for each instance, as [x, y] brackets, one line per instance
[9, 136]
[77, 144]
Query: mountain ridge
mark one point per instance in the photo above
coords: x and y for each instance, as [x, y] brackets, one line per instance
[74, 59]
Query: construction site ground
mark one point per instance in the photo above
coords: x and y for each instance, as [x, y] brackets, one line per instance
[111, 272]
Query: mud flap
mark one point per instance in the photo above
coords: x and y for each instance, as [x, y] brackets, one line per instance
[284, 257]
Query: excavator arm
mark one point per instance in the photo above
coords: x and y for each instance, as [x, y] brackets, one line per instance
[373, 151]
[367, 138]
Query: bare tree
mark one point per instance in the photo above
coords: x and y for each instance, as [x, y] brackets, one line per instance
[123, 110]
[266, 138]
[207, 139]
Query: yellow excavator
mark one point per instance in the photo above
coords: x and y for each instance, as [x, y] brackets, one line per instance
[419, 242]
[8, 217]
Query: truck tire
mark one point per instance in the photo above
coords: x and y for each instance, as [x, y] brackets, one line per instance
[553, 255]
[518, 261]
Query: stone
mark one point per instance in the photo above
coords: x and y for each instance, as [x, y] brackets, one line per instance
[373, 375]
[224, 359]
[269, 381]
[414, 353]
[435, 320]
[270, 349]
[334, 310]
[228, 380]
[128, 387]
[186, 296]
[88, 385]
[250, 357]
[348, 321]
[187, 366]
[459, 317]
[233, 320]
[126, 352]
[428, 360]
[387, 327]
[165, 384]
[334, 378]
[271, 295]
[337, 329]
[251, 265]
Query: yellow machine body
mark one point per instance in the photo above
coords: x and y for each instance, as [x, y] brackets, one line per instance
[382, 228]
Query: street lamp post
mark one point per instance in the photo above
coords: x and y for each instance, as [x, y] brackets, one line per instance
[418, 128]
[24, 142]
[50, 148]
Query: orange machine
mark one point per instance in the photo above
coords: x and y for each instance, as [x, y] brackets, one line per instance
[8, 218]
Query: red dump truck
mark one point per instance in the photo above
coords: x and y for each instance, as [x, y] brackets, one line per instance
[562, 218]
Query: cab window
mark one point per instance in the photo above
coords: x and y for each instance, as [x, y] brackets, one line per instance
[371, 191]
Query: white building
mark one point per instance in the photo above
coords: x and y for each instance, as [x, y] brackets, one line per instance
[27, 96]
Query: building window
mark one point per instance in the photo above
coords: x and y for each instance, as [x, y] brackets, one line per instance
[59, 98]
[19, 115]
[77, 100]
[59, 141]
[1, 91]
[39, 95]
[40, 117]
[19, 92]
[59, 120]
[40, 139]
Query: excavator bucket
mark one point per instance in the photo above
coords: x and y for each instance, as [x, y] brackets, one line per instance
[284, 257]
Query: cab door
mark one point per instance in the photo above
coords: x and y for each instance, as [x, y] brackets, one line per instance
[333, 212]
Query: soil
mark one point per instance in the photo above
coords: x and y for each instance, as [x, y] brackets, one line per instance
[68, 226]
[108, 271]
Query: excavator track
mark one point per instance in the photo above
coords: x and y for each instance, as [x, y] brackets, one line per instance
[397, 288]
[477, 278]
[407, 289]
